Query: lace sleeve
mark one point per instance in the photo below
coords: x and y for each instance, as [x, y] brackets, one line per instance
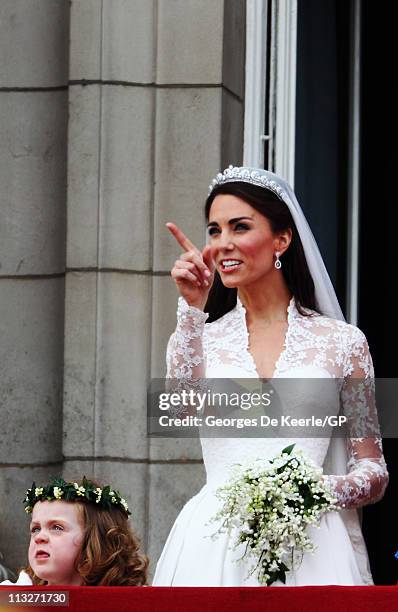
[186, 357]
[185, 354]
[367, 476]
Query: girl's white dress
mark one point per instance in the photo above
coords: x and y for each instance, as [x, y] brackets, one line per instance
[23, 580]
[315, 347]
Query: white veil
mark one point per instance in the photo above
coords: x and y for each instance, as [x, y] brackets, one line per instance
[325, 295]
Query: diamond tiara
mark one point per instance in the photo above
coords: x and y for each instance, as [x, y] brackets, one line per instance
[247, 175]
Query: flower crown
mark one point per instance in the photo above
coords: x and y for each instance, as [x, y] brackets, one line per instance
[255, 176]
[59, 489]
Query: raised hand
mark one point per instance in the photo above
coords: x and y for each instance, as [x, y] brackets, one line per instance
[193, 272]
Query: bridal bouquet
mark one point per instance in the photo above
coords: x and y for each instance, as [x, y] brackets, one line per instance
[271, 502]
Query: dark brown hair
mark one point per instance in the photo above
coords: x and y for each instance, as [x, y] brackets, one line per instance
[294, 264]
[110, 550]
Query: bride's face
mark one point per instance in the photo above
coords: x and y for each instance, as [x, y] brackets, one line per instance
[243, 245]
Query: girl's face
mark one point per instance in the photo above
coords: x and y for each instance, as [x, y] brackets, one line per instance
[243, 245]
[56, 534]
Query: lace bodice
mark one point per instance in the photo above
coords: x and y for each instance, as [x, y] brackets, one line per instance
[315, 346]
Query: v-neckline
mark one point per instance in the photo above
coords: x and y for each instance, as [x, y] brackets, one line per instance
[291, 310]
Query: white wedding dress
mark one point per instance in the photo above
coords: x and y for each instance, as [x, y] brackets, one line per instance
[316, 346]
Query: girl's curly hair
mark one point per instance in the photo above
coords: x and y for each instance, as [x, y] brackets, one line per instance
[110, 553]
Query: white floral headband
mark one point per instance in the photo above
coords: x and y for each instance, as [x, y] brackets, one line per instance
[59, 489]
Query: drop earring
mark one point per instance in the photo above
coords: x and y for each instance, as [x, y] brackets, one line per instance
[278, 263]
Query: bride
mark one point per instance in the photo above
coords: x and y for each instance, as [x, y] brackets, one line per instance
[257, 302]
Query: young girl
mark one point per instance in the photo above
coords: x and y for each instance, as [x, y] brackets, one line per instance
[80, 536]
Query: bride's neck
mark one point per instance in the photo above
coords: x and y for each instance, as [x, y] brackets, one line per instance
[266, 305]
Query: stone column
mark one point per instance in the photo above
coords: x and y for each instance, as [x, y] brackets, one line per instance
[154, 110]
[109, 245]
[199, 128]
[33, 120]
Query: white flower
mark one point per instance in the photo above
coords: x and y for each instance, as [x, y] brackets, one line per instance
[262, 501]
[38, 491]
[58, 493]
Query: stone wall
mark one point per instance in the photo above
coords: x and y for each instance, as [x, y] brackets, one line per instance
[33, 174]
[155, 92]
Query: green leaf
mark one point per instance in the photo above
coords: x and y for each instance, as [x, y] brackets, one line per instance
[69, 495]
[289, 449]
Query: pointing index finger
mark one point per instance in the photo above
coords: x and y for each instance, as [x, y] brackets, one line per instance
[181, 238]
